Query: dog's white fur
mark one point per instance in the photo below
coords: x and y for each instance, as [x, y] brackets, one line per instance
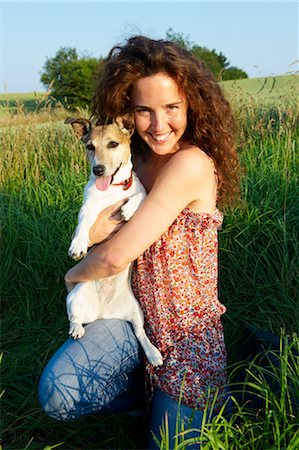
[110, 297]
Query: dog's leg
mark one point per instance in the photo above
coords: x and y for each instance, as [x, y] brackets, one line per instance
[151, 352]
[136, 318]
[133, 314]
[80, 242]
[82, 307]
[129, 208]
[76, 330]
[120, 303]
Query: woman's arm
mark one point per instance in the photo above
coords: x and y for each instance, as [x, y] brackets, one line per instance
[182, 181]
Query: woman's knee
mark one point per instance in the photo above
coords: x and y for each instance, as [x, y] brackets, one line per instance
[50, 400]
[54, 395]
[84, 376]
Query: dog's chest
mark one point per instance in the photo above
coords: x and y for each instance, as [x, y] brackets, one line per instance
[102, 199]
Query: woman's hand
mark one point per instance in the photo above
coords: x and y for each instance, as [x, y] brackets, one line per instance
[107, 223]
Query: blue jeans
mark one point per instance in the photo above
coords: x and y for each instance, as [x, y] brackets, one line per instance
[103, 372]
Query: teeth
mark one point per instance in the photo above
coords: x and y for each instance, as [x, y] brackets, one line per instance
[161, 138]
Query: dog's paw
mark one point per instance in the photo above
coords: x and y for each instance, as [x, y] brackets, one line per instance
[154, 356]
[129, 208]
[76, 330]
[78, 248]
[127, 211]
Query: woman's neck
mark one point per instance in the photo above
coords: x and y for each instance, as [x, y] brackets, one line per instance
[149, 168]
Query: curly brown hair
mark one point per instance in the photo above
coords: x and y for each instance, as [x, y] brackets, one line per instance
[210, 120]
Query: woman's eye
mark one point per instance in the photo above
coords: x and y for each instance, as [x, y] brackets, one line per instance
[112, 144]
[90, 147]
[141, 110]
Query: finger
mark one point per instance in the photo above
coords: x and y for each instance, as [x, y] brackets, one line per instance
[116, 229]
[116, 207]
[117, 217]
[119, 226]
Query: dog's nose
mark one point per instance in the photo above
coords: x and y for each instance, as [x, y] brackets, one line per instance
[99, 170]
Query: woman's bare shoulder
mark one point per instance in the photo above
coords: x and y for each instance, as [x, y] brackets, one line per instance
[191, 161]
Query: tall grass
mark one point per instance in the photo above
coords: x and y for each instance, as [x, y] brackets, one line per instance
[272, 383]
[43, 171]
[259, 240]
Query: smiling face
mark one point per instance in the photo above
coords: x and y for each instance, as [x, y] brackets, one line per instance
[160, 112]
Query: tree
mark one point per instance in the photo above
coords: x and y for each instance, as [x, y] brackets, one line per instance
[209, 58]
[217, 63]
[70, 78]
[233, 73]
[178, 38]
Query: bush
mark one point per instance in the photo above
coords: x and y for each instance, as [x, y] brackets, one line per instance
[233, 73]
[70, 78]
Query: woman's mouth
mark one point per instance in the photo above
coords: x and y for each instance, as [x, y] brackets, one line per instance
[161, 138]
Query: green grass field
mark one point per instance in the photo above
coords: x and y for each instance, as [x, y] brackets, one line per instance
[265, 90]
[43, 172]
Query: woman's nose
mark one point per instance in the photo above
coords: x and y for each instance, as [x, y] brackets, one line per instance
[157, 121]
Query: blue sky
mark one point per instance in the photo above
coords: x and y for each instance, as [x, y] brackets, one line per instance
[259, 37]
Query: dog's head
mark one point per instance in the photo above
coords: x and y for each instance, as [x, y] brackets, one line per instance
[107, 146]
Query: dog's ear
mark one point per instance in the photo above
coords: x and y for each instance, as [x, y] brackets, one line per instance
[80, 126]
[126, 123]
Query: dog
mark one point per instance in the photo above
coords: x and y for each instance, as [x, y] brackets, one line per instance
[111, 179]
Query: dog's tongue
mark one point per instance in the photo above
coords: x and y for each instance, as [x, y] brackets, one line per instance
[103, 183]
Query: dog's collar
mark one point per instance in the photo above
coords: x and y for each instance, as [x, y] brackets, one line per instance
[126, 183]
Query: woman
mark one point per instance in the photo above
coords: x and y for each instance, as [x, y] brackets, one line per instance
[184, 154]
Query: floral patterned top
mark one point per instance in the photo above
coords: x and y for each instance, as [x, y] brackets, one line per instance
[175, 281]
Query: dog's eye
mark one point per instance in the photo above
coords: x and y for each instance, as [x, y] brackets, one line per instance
[90, 147]
[112, 144]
